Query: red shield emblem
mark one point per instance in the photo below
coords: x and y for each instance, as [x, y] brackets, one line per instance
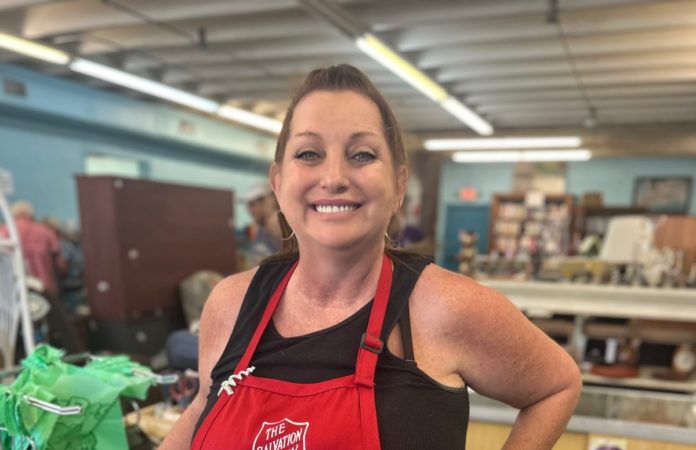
[282, 435]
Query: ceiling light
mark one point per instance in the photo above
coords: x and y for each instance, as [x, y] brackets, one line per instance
[503, 143]
[517, 156]
[251, 119]
[461, 112]
[384, 55]
[144, 85]
[380, 52]
[32, 49]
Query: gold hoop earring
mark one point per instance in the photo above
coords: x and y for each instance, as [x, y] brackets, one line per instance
[289, 237]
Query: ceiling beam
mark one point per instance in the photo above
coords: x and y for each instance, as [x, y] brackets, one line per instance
[79, 16]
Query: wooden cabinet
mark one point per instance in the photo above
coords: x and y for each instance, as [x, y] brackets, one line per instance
[140, 239]
[677, 232]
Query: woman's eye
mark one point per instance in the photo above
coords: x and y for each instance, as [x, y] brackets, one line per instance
[364, 156]
[307, 155]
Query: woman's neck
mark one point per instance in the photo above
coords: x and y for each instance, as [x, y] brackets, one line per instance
[338, 277]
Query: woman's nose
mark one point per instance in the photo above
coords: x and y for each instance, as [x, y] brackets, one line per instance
[335, 176]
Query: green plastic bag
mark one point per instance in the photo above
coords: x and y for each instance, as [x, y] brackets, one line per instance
[95, 388]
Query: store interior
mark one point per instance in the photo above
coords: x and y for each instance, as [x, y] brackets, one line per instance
[552, 157]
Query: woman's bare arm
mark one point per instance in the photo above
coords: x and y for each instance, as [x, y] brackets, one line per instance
[217, 320]
[501, 354]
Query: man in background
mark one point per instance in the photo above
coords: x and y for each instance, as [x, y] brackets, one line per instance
[263, 235]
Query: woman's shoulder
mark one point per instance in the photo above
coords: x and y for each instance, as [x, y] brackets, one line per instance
[436, 281]
[226, 298]
[452, 298]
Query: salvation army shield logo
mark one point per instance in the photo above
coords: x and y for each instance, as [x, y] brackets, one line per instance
[282, 435]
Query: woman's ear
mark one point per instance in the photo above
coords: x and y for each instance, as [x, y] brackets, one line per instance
[401, 184]
[274, 177]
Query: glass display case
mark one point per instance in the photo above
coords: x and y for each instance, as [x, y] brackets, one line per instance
[627, 413]
[645, 410]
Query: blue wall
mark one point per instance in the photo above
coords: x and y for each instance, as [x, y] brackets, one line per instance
[613, 177]
[46, 136]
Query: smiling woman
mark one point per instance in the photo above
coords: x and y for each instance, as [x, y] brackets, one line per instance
[341, 343]
[336, 181]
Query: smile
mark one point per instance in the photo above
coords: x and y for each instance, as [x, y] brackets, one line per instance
[329, 209]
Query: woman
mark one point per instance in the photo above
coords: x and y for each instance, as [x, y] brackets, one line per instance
[313, 361]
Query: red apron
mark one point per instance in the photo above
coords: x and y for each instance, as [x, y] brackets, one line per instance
[254, 413]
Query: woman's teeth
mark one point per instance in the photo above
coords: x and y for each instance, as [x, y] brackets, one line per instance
[335, 208]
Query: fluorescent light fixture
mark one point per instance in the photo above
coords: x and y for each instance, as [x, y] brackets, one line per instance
[380, 52]
[503, 143]
[384, 55]
[461, 112]
[528, 155]
[251, 119]
[32, 49]
[144, 85]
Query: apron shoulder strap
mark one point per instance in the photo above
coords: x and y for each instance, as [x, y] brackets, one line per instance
[371, 345]
[267, 314]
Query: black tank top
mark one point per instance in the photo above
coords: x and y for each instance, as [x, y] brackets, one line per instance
[413, 410]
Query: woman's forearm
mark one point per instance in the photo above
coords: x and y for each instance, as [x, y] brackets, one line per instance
[180, 436]
[539, 425]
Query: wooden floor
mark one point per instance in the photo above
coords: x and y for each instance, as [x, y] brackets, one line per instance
[487, 436]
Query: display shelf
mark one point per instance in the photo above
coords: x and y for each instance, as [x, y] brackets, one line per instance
[516, 227]
[657, 333]
[644, 380]
[545, 299]
[665, 316]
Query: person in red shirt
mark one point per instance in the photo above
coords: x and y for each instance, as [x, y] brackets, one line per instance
[40, 246]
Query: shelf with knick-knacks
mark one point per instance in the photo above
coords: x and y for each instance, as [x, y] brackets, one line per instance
[636, 337]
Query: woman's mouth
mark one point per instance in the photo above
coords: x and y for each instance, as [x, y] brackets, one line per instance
[329, 209]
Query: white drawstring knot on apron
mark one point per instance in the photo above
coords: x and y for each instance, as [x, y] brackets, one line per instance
[231, 382]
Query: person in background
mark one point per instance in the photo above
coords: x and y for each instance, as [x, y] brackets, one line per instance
[40, 246]
[403, 234]
[263, 235]
[182, 345]
[70, 277]
[342, 342]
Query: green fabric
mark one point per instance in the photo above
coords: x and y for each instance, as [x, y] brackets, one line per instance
[95, 387]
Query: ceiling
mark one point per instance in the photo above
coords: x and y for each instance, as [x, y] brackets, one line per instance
[521, 64]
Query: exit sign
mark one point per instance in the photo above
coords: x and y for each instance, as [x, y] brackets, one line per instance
[468, 194]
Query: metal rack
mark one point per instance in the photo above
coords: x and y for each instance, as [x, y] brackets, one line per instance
[72, 410]
[13, 291]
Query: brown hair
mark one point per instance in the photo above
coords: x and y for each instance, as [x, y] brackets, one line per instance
[343, 77]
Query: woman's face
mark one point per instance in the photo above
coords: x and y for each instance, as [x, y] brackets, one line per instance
[336, 184]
